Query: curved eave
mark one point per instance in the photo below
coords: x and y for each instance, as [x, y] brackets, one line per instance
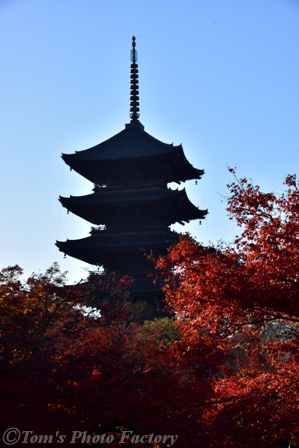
[95, 248]
[172, 166]
[95, 206]
[104, 196]
[129, 240]
[92, 207]
[131, 149]
[130, 143]
[190, 212]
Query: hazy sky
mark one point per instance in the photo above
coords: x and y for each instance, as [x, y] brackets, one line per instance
[219, 76]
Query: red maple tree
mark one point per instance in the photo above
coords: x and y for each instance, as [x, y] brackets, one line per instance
[237, 308]
[223, 371]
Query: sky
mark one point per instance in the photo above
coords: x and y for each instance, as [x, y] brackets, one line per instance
[219, 76]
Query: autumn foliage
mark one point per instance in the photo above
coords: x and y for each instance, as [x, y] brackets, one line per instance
[237, 308]
[221, 369]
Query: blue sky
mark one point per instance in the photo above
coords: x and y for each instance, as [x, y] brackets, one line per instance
[219, 76]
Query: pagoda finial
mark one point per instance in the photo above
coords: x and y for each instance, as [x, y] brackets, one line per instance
[134, 88]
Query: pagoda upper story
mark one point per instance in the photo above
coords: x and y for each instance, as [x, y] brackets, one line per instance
[132, 157]
[131, 204]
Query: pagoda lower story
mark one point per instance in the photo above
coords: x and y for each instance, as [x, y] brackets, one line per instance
[126, 253]
[131, 207]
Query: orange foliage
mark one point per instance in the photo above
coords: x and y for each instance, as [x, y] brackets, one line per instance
[238, 312]
[224, 371]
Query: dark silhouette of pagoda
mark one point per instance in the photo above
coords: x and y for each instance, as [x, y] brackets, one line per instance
[131, 204]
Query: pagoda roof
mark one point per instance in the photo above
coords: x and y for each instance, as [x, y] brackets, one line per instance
[96, 248]
[130, 149]
[120, 196]
[115, 241]
[132, 142]
[91, 207]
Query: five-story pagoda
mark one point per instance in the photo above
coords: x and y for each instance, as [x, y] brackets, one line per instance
[131, 205]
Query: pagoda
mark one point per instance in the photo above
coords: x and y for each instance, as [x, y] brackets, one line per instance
[131, 207]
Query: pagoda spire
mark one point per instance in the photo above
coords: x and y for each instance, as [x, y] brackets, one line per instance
[134, 88]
